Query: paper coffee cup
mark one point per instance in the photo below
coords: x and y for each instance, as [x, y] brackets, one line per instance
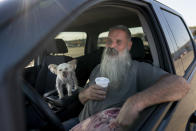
[102, 81]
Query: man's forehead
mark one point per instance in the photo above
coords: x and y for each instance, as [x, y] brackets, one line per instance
[117, 33]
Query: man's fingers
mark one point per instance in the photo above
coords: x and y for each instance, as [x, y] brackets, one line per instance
[96, 87]
[100, 92]
[96, 93]
[98, 96]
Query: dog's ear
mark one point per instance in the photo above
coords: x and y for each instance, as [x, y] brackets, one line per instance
[73, 63]
[53, 68]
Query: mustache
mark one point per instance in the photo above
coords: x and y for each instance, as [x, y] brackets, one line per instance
[111, 51]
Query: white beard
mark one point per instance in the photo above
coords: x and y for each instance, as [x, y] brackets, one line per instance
[115, 66]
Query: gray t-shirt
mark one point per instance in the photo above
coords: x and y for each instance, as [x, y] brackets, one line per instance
[139, 77]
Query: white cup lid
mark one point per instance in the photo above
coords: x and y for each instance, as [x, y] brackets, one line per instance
[102, 81]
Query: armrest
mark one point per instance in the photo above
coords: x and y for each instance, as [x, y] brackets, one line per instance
[54, 101]
[52, 98]
[52, 92]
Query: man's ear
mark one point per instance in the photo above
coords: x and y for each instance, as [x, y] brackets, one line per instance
[73, 63]
[53, 68]
[129, 45]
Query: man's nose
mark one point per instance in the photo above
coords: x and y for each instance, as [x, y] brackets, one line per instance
[113, 45]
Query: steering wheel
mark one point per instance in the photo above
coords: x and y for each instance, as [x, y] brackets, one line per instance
[42, 106]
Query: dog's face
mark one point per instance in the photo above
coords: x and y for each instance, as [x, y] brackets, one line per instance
[63, 70]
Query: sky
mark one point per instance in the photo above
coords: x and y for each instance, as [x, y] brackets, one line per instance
[187, 8]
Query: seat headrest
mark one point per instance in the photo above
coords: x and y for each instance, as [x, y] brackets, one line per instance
[137, 49]
[57, 46]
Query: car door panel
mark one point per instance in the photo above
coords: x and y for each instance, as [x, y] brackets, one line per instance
[184, 108]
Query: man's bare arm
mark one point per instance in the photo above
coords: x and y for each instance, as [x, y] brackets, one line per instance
[168, 88]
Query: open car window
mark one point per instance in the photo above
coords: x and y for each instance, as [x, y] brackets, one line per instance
[75, 42]
[135, 32]
[75, 39]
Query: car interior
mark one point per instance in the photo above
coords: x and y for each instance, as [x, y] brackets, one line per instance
[83, 40]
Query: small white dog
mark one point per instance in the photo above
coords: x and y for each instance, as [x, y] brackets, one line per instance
[65, 77]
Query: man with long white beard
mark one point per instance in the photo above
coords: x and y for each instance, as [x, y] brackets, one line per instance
[133, 85]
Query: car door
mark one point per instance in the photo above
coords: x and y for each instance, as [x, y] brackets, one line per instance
[181, 48]
[184, 53]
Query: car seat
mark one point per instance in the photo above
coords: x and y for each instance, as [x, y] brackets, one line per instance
[86, 63]
[46, 80]
[69, 106]
[138, 51]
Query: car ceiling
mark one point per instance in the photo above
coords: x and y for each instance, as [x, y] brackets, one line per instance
[101, 18]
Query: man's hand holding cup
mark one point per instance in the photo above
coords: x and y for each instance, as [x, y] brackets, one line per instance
[96, 91]
[99, 90]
